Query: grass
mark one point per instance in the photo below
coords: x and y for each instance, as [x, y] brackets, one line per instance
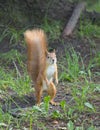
[18, 80]
[79, 80]
[74, 66]
[80, 96]
[83, 90]
[13, 75]
[94, 7]
[52, 28]
[88, 30]
[14, 78]
[12, 34]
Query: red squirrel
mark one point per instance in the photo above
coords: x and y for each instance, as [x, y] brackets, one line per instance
[42, 66]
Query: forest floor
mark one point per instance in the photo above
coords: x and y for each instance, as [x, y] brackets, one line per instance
[78, 90]
[69, 115]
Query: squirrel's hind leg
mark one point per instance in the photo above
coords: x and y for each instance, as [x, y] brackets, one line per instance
[52, 92]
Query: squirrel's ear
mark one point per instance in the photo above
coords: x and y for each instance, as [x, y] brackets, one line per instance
[46, 52]
[54, 51]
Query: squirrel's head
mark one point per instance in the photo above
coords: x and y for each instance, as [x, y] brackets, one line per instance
[51, 58]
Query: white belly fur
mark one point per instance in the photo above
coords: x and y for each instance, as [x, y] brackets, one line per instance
[49, 74]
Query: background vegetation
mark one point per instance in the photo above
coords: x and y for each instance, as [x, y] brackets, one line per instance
[78, 65]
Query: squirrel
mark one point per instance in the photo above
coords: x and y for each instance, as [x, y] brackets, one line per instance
[42, 65]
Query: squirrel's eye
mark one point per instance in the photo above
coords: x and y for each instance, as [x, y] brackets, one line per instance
[48, 57]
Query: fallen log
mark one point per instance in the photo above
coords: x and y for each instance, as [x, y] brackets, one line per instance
[73, 19]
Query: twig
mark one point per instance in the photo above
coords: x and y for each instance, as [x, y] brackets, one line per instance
[17, 69]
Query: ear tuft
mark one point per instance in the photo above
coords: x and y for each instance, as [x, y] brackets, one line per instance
[46, 52]
[54, 51]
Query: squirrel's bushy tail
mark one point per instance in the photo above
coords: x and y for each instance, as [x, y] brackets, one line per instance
[36, 48]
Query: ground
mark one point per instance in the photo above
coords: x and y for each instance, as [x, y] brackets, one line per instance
[78, 90]
[63, 93]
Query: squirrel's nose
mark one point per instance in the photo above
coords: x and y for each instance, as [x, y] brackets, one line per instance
[53, 60]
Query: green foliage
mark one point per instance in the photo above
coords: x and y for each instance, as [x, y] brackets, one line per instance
[73, 63]
[91, 128]
[56, 114]
[13, 75]
[10, 57]
[87, 29]
[94, 7]
[46, 103]
[70, 125]
[93, 63]
[63, 106]
[20, 84]
[80, 96]
[44, 107]
[5, 119]
[3, 35]
[73, 69]
[89, 105]
[96, 60]
[53, 28]
[14, 35]
[14, 78]
[5, 116]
